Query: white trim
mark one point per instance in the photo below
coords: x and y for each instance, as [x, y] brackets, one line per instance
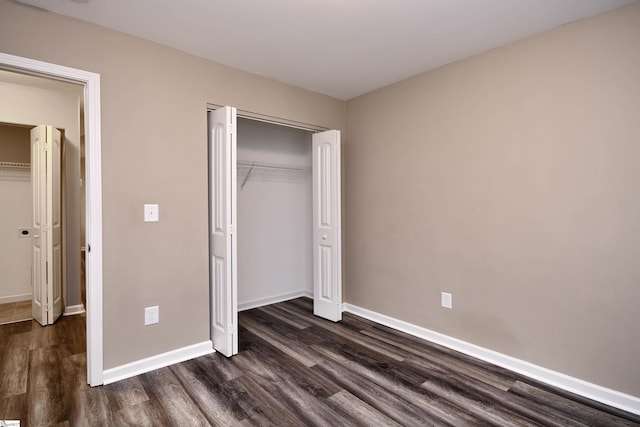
[259, 302]
[158, 361]
[71, 310]
[91, 82]
[15, 298]
[279, 121]
[589, 390]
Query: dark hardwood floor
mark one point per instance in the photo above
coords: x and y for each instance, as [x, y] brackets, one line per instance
[293, 369]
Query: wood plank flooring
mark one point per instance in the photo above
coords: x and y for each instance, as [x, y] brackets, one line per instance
[293, 369]
[12, 312]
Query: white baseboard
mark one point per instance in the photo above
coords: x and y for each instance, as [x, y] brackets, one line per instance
[248, 305]
[589, 390]
[70, 310]
[15, 298]
[156, 362]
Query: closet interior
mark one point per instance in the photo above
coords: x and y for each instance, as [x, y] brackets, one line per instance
[15, 214]
[274, 213]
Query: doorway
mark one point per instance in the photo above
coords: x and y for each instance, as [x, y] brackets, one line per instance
[90, 83]
[31, 101]
[321, 157]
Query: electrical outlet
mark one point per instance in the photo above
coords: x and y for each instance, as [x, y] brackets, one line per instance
[151, 315]
[446, 300]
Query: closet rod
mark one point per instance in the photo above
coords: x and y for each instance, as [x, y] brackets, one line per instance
[278, 166]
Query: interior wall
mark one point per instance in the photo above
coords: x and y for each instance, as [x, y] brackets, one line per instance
[510, 180]
[12, 144]
[154, 150]
[31, 106]
[15, 214]
[274, 214]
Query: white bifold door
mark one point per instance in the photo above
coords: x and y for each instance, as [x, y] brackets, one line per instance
[222, 241]
[327, 266]
[327, 258]
[46, 224]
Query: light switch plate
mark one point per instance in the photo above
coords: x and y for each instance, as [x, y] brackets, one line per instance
[151, 213]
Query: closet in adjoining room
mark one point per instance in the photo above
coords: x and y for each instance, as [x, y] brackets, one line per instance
[274, 213]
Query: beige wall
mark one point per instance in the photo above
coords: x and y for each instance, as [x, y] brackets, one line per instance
[154, 150]
[509, 179]
[14, 144]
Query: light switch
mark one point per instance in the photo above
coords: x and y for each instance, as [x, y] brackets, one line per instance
[151, 213]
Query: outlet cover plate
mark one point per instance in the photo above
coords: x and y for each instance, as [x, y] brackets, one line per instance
[446, 300]
[151, 315]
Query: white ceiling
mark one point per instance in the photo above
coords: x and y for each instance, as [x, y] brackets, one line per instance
[342, 48]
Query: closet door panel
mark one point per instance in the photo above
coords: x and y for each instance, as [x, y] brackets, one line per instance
[223, 252]
[54, 221]
[39, 224]
[327, 257]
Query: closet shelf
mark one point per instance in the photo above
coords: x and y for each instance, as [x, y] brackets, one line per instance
[15, 171]
[276, 167]
[14, 165]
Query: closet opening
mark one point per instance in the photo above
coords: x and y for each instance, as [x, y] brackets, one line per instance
[275, 213]
[275, 251]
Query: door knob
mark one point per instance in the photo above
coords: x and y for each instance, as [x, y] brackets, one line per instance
[324, 237]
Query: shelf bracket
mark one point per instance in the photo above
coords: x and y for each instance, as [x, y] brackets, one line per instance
[244, 181]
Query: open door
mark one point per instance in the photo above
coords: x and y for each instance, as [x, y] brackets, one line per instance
[222, 222]
[327, 247]
[47, 224]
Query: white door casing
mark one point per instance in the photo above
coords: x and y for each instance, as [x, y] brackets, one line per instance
[47, 223]
[327, 244]
[222, 242]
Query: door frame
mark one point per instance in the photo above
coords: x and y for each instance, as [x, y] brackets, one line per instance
[93, 195]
